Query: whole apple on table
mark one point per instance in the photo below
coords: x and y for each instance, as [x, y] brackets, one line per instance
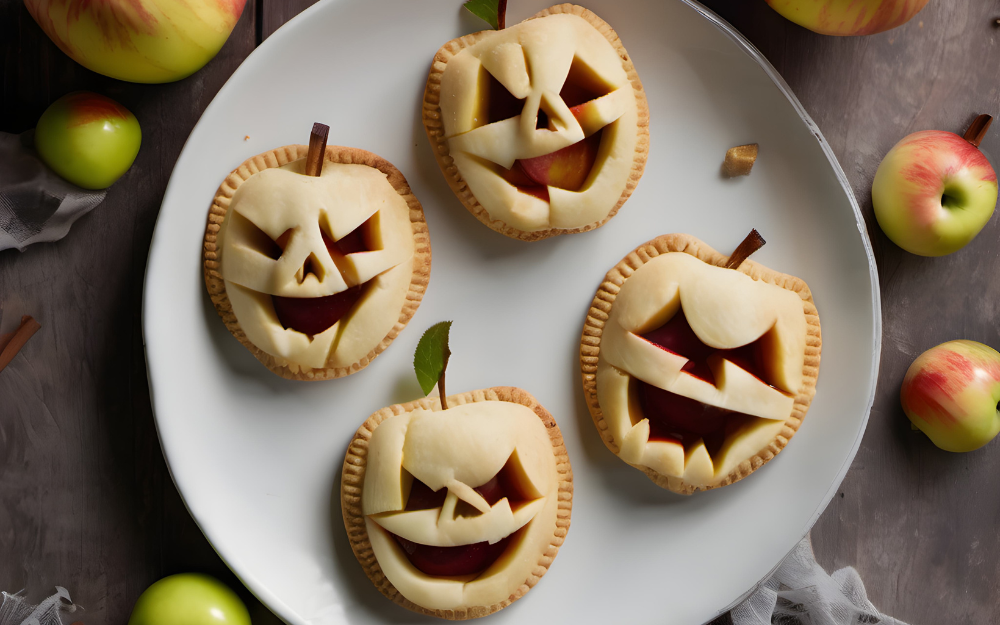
[952, 393]
[88, 139]
[935, 191]
[848, 17]
[149, 41]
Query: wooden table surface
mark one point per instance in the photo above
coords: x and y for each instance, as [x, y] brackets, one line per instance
[85, 497]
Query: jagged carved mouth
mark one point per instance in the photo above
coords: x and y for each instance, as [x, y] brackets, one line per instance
[677, 418]
[506, 500]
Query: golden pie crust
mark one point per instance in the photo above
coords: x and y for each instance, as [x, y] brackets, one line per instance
[590, 348]
[334, 154]
[353, 479]
[435, 127]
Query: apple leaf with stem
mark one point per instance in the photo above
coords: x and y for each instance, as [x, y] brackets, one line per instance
[493, 12]
[431, 359]
[750, 244]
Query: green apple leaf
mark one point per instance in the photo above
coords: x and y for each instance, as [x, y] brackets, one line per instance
[490, 11]
[431, 358]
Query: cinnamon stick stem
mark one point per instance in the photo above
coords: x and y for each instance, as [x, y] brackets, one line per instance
[978, 129]
[11, 344]
[317, 149]
[750, 244]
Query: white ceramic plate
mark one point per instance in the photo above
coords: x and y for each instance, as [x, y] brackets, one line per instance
[257, 458]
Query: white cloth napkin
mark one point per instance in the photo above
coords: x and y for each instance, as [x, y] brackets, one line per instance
[16, 611]
[35, 204]
[801, 593]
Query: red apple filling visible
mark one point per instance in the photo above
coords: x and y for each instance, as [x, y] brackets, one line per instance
[462, 559]
[674, 417]
[314, 315]
[567, 168]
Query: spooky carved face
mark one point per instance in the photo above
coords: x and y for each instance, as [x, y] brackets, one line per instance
[460, 505]
[541, 121]
[701, 368]
[317, 269]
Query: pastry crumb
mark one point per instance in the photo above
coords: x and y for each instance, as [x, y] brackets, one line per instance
[739, 160]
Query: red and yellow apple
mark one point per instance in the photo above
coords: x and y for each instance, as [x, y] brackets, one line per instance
[88, 139]
[933, 192]
[951, 393]
[149, 41]
[848, 17]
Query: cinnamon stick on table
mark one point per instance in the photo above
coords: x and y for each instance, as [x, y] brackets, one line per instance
[11, 343]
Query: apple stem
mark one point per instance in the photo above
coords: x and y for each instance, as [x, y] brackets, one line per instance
[502, 15]
[750, 244]
[441, 392]
[11, 344]
[317, 149]
[977, 130]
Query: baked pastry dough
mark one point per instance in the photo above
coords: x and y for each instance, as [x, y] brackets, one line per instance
[316, 275]
[493, 475]
[694, 373]
[497, 100]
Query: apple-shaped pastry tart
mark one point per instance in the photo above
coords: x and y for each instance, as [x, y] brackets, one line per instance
[696, 373]
[316, 274]
[541, 128]
[458, 512]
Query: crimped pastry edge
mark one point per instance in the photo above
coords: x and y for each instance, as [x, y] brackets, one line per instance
[434, 127]
[600, 309]
[353, 478]
[334, 154]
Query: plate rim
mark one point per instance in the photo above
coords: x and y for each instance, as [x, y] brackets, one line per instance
[279, 607]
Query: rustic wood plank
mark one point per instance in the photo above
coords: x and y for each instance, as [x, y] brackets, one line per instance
[918, 523]
[85, 497]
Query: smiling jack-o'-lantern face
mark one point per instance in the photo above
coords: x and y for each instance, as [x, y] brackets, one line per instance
[541, 128]
[695, 373]
[463, 508]
[313, 273]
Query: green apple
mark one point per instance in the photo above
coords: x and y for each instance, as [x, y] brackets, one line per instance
[189, 599]
[951, 393]
[933, 193]
[88, 139]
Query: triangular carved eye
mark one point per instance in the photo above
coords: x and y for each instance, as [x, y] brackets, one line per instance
[257, 239]
[501, 103]
[583, 85]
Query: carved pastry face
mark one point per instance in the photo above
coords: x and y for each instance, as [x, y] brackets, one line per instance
[700, 367]
[542, 121]
[317, 268]
[460, 504]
